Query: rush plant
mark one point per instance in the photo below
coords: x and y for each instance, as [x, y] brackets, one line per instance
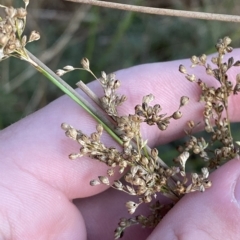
[144, 174]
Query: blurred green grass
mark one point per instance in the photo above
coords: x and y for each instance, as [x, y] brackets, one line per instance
[111, 39]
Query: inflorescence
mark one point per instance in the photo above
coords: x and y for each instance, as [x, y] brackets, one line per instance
[144, 175]
[12, 40]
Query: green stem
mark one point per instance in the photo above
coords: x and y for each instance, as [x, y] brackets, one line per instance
[72, 94]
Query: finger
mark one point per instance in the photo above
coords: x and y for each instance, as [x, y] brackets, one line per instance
[213, 214]
[39, 146]
[103, 212]
[34, 210]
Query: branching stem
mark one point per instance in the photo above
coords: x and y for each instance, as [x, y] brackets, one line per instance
[74, 95]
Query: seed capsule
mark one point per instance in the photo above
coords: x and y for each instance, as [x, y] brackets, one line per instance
[104, 180]
[85, 63]
[184, 100]
[182, 69]
[177, 115]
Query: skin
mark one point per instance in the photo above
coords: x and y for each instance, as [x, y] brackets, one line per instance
[44, 195]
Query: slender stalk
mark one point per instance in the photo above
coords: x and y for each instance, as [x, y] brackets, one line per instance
[89, 92]
[74, 95]
[162, 11]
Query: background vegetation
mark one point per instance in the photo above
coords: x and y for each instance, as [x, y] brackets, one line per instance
[111, 39]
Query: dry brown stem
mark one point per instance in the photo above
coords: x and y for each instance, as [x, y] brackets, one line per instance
[162, 11]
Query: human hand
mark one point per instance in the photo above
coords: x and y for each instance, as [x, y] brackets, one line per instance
[39, 182]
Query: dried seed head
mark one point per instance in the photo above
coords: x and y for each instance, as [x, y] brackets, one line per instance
[147, 99]
[208, 184]
[94, 182]
[177, 115]
[104, 180]
[214, 60]
[11, 12]
[230, 62]
[99, 128]
[123, 223]
[227, 41]
[60, 72]
[65, 126]
[184, 101]
[134, 170]
[104, 75]
[236, 88]
[34, 36]
[182, 69]
[149, 110]
[21, 13]
[131, 206]
[3, 39]
[209, 71]
[69, 68]
[85, 63]
[157, 108]
[110, 172]
[147, 199]
[26, 2]
[154, 153]
[182, 158]
[194, 59]
[191, 77]
[229, 49]
[196, 149]
[72, 133]
[117, 184]
[73, 156]
[205, 172]
[191, 124]
[162, 126]
[83, 150]
[118, 233]
[224, 67]
[203, 59]
[144, 161]
[116, 84]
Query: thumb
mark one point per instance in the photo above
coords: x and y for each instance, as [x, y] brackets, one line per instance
[214, 214]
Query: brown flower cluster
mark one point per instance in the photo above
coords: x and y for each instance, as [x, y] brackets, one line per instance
[12, 26]
[215, 114]
[151, 115]
[144, 174]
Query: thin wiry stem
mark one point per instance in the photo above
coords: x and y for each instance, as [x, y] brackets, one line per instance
[97, 115]
[162, 11]
[89, 93]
